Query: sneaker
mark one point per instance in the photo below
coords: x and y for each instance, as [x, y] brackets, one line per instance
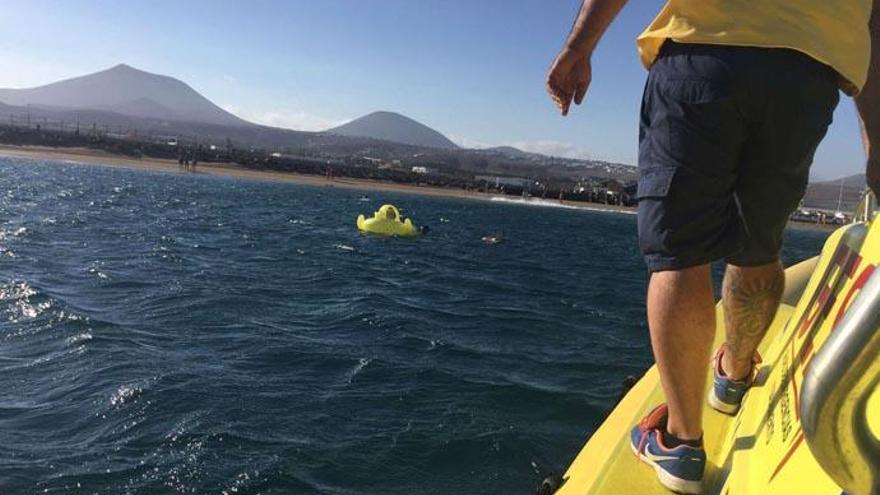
[727, 395]
[681, 468]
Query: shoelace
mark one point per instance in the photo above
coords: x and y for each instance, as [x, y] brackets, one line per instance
[753, 373]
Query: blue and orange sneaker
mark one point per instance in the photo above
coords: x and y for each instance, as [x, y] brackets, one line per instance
[727, 394]
[680, 468]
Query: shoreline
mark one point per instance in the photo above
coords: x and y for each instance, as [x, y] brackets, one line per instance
[87, 156]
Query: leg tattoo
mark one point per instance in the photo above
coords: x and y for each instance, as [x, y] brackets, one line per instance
[750, 297]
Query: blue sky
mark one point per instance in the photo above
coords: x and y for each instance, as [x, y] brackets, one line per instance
[472, 69]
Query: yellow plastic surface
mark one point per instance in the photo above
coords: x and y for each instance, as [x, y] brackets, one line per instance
[387, 221]
[761, 450]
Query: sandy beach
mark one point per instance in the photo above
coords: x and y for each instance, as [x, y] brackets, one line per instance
[98, 158]
[88, 156]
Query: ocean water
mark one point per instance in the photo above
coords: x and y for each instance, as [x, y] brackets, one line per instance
[165, 333]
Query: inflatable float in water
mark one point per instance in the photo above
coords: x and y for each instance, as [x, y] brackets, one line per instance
[387, 221]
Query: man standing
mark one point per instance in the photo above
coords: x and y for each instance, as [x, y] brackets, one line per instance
[738, 97]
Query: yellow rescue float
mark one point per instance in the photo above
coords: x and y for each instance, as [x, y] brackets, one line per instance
[387, 221]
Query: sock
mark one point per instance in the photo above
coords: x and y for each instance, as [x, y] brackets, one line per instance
[673, 441]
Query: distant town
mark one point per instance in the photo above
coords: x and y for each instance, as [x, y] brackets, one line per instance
[131, 113]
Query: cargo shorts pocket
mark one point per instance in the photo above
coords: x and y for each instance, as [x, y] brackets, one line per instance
[654, 182]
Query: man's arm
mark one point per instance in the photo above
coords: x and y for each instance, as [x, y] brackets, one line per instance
[570, 74]
[868, 104]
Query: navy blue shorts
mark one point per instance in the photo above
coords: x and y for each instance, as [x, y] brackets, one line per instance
[726, 138]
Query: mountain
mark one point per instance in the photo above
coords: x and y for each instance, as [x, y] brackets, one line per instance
[143, 108]
[508, 150]
[127, 104]
[390, 126]
[128, 91]
[857, 180]
[841, 194]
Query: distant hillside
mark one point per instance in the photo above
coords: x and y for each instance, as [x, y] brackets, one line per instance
[125, 103]
[390, 126]
[128, 91]
[857, 180]
[508, 151]
[841, 194]
[143, 108]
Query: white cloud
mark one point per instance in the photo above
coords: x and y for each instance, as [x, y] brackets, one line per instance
[287, 118]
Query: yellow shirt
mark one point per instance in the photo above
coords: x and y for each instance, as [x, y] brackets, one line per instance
[834, 32]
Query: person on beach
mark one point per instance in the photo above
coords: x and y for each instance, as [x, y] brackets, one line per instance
[738, 96]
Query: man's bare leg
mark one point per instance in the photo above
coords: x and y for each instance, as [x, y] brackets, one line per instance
[750, 297]
[681, 317]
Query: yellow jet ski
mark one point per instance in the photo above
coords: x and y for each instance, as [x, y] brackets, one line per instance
[387, 221]
[811, 422]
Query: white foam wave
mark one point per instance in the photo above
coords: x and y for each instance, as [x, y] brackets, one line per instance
[125, 394]
[19, 293]
[5, 234]
[95, 269]
[81, 337]
[549, 203]
[362, 363]
[239, 483]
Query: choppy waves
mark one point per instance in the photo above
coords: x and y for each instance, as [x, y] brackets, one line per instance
[185, 334]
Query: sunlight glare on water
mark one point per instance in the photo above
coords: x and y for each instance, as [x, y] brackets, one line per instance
[190, 334]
